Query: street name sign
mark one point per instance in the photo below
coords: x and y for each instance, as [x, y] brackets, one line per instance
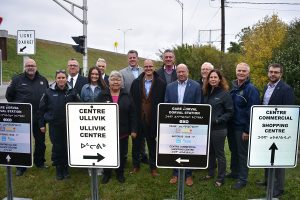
[25, 42]
[15, 134]
[274, 135]
[93, 135]
[183, 136]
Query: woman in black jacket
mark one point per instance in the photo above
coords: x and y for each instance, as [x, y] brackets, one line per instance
[52, 110]
[127, 120]
[215, 90]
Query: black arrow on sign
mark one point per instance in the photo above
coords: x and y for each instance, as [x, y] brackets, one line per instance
[99, 157]
[273, 147]
[22, 49]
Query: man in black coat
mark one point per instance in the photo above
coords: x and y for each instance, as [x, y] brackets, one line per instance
[28, 87]
[277, 92]
[148, 90]
[75, 80]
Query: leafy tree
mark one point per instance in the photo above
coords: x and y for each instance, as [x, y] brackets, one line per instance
[258, 42]
[288, 54]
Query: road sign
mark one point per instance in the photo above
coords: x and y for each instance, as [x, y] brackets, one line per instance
[93, 135]
[25, 42]
[183, 136]
[274, 135]
[15, 134]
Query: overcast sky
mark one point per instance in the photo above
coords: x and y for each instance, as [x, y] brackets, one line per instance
[155, 24]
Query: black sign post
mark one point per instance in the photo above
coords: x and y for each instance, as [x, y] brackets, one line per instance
[183, 138]
[15, 136]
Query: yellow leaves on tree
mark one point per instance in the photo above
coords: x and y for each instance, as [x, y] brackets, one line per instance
[259, 41]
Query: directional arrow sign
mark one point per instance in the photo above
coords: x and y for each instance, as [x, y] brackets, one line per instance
[179, 160]
[273, 147]
[99, 157]
[22, 49]
[8, 158]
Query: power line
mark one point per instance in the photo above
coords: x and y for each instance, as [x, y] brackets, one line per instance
[274, 9]
[262, 3]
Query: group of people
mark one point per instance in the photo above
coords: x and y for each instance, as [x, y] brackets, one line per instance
[138, 91]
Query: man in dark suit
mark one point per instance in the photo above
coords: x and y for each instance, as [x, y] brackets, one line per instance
[277, 92]
[148, 90]
[101, 64]
[74, 78]
[182, 91]
[168, 71]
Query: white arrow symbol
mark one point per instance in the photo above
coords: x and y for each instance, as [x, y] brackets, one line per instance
[8, 158]
[179, 160]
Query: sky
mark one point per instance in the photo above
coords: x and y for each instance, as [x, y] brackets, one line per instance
[156, 24]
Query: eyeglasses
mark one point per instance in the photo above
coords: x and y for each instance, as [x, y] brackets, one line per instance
[148, 66]
[72, 65]
[60, 71]
[115, 80]
[101, 66]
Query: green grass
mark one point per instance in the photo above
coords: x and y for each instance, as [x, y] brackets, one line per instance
[42, 185]
[52, 56]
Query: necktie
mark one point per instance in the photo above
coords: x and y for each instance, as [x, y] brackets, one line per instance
[71, 82]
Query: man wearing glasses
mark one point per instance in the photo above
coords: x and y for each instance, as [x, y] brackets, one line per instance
[75, 80]
[277, 92]
[28, 87]
[148, 90]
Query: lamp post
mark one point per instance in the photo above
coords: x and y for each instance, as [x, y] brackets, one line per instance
[181, 5]
[124, 35]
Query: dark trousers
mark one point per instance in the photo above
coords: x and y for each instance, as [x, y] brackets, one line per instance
[123, 159]
[39, 147]
[279, 179]
[58, 137]
[188, 172]
[217, 153]
[242, 149]
[138, 149]
[151, 143]
[234, 159]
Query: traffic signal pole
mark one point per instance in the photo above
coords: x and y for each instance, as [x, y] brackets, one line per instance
[84, 23]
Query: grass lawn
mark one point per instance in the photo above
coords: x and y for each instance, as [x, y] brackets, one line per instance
[42, 185]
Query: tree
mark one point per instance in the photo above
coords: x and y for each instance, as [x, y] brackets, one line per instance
[288, 54]
[258, 42]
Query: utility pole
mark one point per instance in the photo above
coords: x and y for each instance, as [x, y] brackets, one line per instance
[181, 5]
[124, 36]
[223, 25]
[84, 22]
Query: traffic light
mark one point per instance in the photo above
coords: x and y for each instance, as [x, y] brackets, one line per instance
[79, 40]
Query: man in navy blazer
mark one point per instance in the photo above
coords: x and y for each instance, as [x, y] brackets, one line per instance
[74, 78]
[277, 92]
[183, 90]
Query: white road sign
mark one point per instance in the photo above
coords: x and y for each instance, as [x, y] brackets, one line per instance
[25, 42]
[274, 136]
[93, 134]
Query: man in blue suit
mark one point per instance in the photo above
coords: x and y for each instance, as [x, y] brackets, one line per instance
[182, 91]
[277, 92]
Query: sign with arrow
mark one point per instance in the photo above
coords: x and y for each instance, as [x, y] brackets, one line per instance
[274, 135]
[93, 135]
[183, 136]
[25, 42]
[15, 134]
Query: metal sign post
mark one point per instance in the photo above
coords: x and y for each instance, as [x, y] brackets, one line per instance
[94, 182]
[273, 141]
[181, 178]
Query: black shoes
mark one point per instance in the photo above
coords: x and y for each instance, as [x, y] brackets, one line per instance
[278, 193]
[105, 179]
[20, 172]
[59, 173]
[121, 178]
[66, 172]
[239, 185]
